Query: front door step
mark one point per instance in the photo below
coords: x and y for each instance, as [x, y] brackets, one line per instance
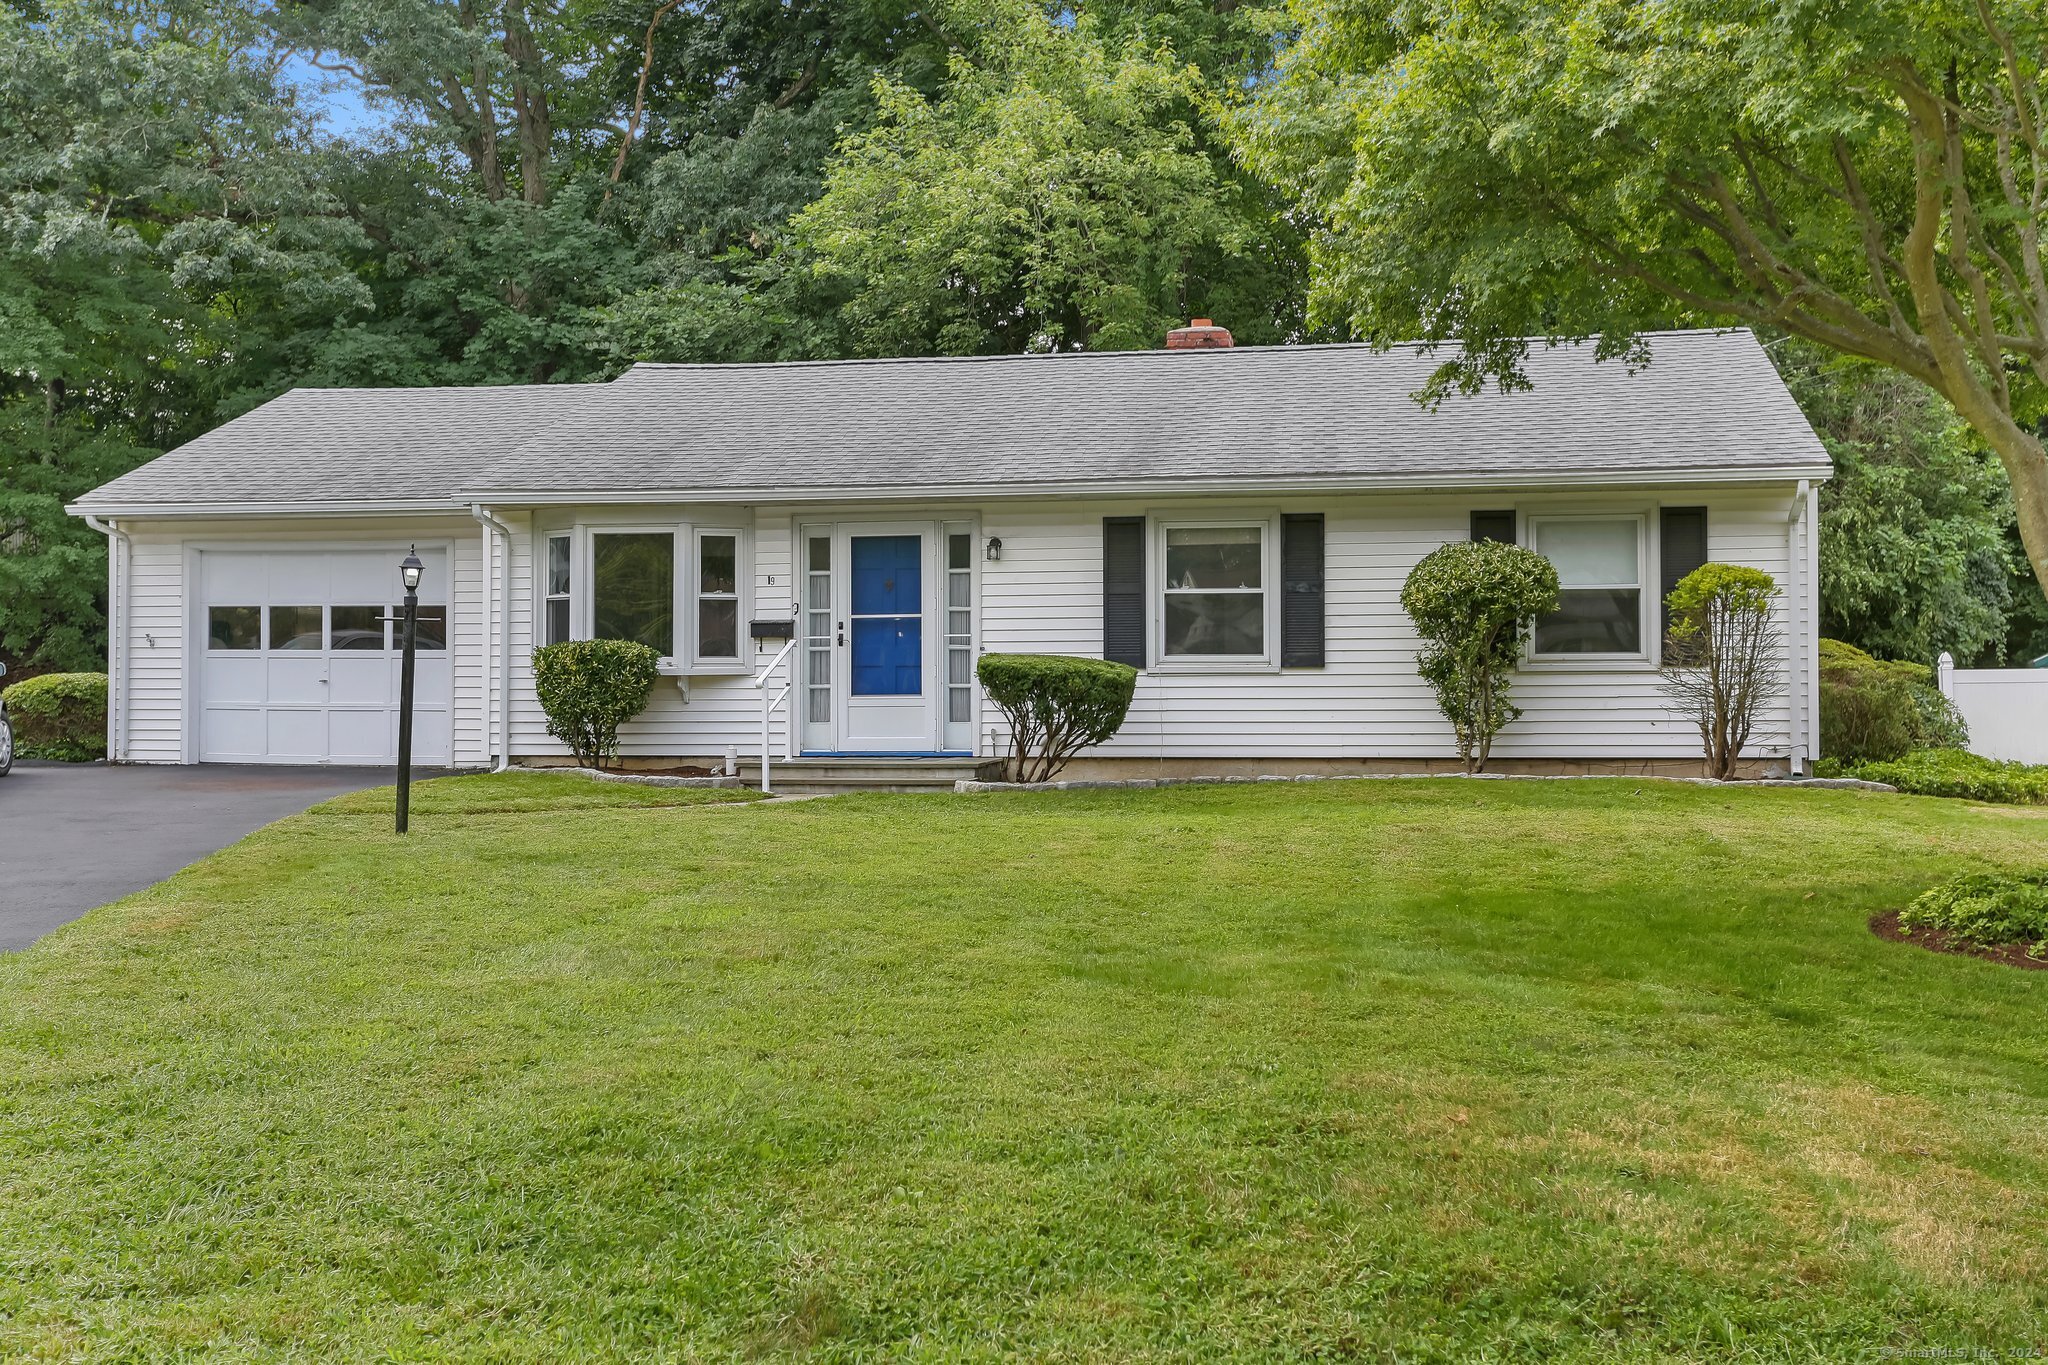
[869, 774]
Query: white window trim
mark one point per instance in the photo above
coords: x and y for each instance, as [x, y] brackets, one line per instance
[737, 661]
[546, 538]
[1157, 525]
[1646, 559]
[685, 662]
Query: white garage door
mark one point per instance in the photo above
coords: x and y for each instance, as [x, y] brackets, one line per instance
[297, 664]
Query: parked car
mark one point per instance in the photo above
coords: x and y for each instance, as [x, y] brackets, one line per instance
[6, 733]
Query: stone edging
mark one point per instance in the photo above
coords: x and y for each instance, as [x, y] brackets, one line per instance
[648, 779]
[1836, 783]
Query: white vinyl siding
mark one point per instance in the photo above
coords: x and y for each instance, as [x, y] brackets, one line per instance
[1045, 596]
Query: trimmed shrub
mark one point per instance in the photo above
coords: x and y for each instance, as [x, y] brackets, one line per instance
[1056, 705]
[1874, 708]
[1952, 772]
[1472, 602]
[589, 688]
[1721, 661]
[60, 716]
[1987, 909]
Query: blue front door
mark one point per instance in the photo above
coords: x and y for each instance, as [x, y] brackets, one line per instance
[888, 616]
[884, 655]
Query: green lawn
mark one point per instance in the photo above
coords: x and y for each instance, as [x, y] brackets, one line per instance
[1413, 1070]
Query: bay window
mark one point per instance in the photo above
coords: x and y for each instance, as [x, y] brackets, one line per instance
[1599, 561]
[676, 588]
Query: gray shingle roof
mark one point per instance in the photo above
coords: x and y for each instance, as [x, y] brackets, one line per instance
[1710, 403]
[323, 446]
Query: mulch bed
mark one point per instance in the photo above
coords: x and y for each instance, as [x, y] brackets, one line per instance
[1886, 926]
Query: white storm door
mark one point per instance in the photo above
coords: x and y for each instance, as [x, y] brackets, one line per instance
[887, 637]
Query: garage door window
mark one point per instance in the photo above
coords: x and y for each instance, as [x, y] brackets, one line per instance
[430, 629]
[296, 628]
[234, 628]
[355, 628]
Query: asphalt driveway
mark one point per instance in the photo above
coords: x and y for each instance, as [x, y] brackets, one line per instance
[77, 835]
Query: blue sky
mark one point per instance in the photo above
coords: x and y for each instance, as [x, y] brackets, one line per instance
[343, 107]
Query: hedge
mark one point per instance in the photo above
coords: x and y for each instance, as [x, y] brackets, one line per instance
[1873, 708]
[589, 688]
[60, 716]
[1951, 772]
[1056, 705]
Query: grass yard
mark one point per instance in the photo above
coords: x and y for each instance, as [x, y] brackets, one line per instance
[1410, 1070]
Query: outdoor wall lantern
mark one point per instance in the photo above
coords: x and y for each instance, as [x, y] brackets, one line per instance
[995, 548]
[410, 571]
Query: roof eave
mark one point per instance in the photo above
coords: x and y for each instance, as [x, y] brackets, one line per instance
[243, 508]
[1525, 480]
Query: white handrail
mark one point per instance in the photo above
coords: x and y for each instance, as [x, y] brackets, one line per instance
[768, 704]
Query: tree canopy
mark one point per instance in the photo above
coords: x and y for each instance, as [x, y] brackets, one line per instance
[1869, 175]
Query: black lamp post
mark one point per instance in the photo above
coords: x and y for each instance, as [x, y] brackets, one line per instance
[409, 571]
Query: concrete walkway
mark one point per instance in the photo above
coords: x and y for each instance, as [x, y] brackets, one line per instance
[74, 836]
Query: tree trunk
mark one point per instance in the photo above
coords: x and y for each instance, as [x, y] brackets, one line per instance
[529, 105]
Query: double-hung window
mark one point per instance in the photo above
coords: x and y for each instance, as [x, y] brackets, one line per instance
[1599, 561]
[555, 582]
[1215, 592]
[718, 596]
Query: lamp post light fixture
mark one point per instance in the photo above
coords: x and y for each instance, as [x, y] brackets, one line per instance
[410, 570]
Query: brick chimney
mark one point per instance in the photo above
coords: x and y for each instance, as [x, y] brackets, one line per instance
[1199, 335]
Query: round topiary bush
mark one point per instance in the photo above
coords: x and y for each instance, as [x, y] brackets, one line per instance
[1472, 602]
[589, 688]
[1056, 705]
[61, 716]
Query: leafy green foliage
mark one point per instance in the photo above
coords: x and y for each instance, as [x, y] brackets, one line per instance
[1881, 708]
[589, 688]
[61, 716]
[1915, 556]
[1957, 773]
[1056, 705]
[161, 208]
[1471, 603]
[1721, 656]
[1987, 908]
[1865, 175]
[1059, 195]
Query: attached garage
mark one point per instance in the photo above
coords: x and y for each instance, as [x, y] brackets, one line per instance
[296, 656]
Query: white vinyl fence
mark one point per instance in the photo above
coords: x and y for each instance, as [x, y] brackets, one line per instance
[2006, 709]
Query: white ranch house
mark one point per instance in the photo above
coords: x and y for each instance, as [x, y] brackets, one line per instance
[1236, 521]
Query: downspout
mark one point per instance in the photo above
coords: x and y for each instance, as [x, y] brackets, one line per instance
[117, 630]
[1798, 722]
[503, 621]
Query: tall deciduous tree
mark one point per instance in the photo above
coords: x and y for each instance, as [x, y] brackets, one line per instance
[1871, 175]
[1057, 194]
[160, 212]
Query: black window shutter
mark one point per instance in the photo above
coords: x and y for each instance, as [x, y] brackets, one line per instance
[1123, 590]
[1682, 538]
[1301, 602]
[1494, 526]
